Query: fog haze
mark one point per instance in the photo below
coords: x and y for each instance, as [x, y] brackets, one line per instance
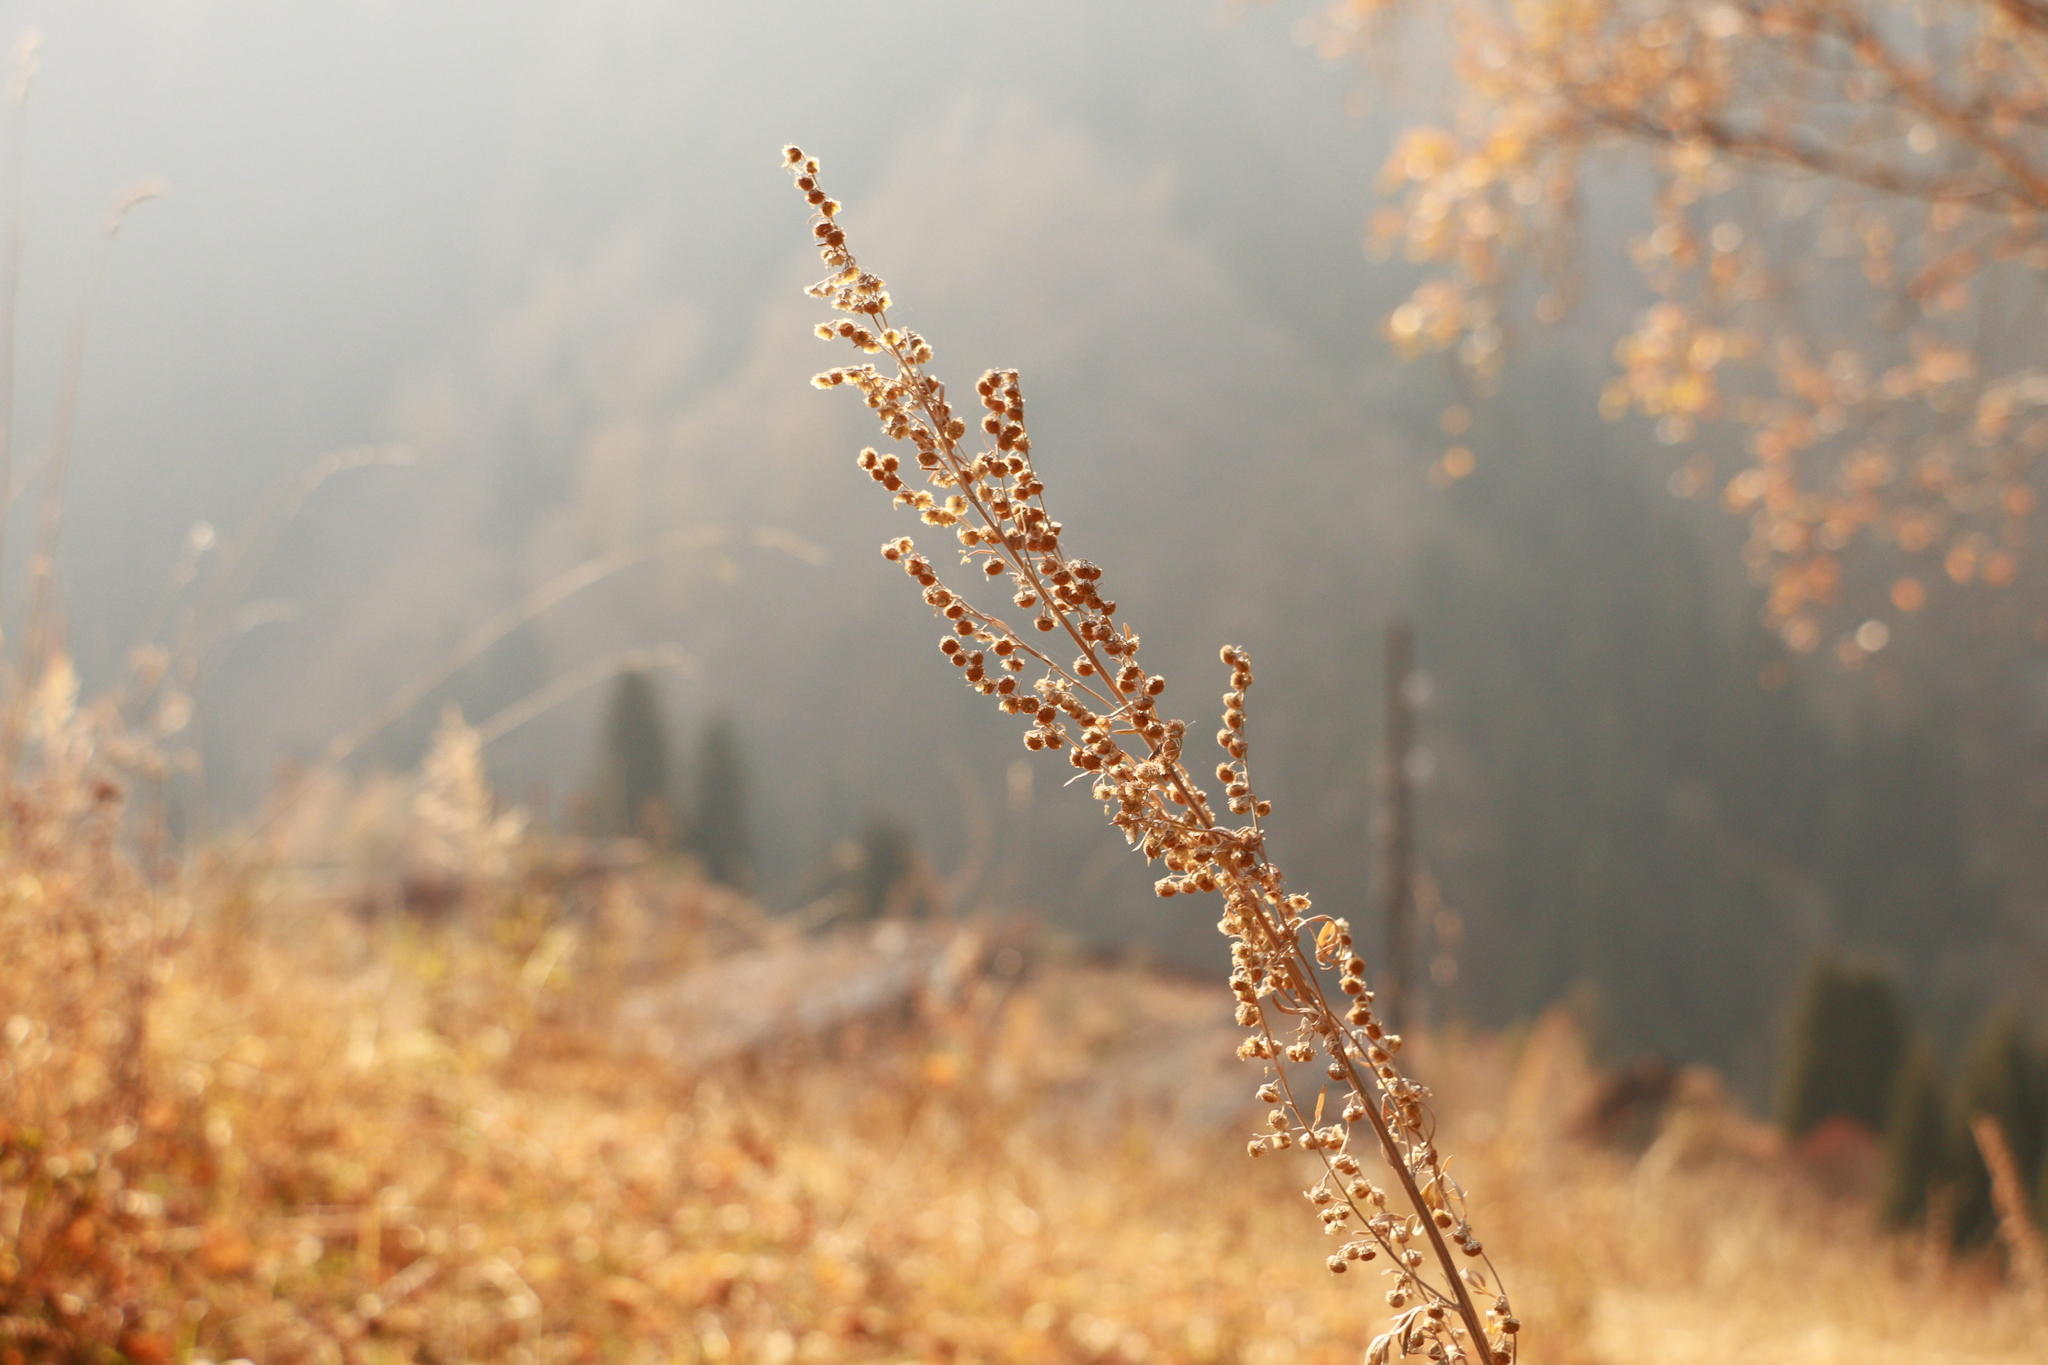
[544, 251]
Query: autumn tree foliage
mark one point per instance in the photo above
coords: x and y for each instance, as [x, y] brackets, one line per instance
[1845, 243]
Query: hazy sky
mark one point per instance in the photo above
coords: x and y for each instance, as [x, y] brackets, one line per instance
[400, 222]
[359, 188]
[547, 250]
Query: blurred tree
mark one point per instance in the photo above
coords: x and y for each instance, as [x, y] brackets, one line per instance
[629, 793]
[888, 877]
[1652, 823]
[1848, 237]
[719, 835]
[1914, 1157]
[2041, 1182]
[1844, 1047]
[2000, 1077]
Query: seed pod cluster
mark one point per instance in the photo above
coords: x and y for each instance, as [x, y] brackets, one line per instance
[1101, 710]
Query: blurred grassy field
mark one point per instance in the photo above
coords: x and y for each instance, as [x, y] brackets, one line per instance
[387, 1139]
[409, 1082]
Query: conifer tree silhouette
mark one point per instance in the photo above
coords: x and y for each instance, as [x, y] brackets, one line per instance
[1843, 1052]
[1914, 1154]
[630, 793]
[720, 836]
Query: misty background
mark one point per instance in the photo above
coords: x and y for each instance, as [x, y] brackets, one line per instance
[546, 252]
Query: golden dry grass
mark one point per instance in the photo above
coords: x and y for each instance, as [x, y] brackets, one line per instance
[392, 1141]
[587, 1108]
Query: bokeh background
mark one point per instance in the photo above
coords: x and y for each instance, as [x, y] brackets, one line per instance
[540, 256]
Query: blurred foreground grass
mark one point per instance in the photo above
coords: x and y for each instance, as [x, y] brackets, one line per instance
[583, 1108]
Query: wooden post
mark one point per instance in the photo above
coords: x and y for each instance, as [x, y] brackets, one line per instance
[1397, 827]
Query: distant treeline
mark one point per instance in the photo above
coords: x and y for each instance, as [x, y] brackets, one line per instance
[1646, 798]
[1852, 1055]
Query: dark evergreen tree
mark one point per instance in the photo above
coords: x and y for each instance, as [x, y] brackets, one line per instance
[1999, 1078]
[1842, 1052]
[889, 880]
[1915, 1156]
[630, 793]
[720, 836]
[2041, 1183]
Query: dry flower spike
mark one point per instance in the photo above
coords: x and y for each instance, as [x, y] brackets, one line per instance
[1101, 710]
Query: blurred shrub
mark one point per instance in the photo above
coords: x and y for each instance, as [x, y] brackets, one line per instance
[1842, 1054]
[883, 875]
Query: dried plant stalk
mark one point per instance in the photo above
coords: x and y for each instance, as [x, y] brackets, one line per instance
[2015, 1215]
[993, 502]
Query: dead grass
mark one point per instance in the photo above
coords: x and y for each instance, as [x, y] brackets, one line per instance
[493, 1138]
[580, 1106]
